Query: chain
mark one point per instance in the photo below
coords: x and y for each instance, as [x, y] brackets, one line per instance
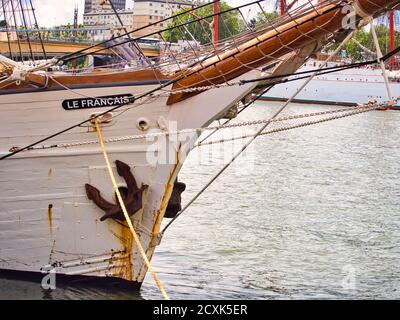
[200, 130]
[300, 125]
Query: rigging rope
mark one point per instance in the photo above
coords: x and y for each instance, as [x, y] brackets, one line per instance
[200, 130]
[126, 215]
[162, 86]
[16, 24]
[39, 34]
[23, 18]
[159, 33]
[261, 132]
[244, 147]
[255, 136]
[303, 124]
[27, 147]
[7, 33]
[72, 56]
[382, 64]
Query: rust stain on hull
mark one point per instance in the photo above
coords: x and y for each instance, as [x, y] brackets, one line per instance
[169, 187]
[121, 266]
[50, 218]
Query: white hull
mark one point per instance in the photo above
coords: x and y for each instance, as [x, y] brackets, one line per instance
[45, 215]
[348, 87]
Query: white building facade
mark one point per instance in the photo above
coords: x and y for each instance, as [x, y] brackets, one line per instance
[96, 5]
[103, 21]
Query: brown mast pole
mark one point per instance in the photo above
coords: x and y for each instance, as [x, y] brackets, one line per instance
[216, 10]
[392, 39]
[283, 7]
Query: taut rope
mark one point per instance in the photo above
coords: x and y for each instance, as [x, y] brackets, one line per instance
[128, 219]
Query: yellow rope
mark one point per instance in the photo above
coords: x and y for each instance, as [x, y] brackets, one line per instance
[135, 236]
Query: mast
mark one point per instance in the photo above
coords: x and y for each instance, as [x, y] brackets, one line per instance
[283, 7]
[75, 32]
[74, 62]
[13, 9]
[37, 27]
[215, 24]
[138, 52]
[8, 34]
[392, 39]
[25, 25]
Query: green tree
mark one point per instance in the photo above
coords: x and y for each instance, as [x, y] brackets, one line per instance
[263, 17]
[365, 38]
[230, 23]
[59, 32]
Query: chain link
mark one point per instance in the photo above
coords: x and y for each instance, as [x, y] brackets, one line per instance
[301, 125]
[356, 110]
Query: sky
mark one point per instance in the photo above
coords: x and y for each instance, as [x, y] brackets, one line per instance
[56, 12]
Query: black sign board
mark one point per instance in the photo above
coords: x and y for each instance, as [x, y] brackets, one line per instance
[98, 102]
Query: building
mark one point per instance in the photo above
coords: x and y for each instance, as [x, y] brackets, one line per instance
[151, 11]
[96, 5]
[105, 24]
[99, 14]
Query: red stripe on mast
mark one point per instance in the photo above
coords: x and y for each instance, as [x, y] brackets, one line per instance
[392, 39]
[216, 10]
[283, 7]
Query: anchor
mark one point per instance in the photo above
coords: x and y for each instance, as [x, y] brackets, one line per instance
[131, 195]
[174, 204]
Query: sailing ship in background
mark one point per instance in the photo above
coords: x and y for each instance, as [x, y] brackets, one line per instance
[57, 206]
[344, 88]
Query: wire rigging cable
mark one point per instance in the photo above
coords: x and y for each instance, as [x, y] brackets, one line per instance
[72, 56]
[334, 4]
[80, 53]
[7, 33]
[253, 137]
[126, 215]
[161, 87]
[24, 20]
[37, 27]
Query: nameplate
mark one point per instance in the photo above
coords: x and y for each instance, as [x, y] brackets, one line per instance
[98, 102]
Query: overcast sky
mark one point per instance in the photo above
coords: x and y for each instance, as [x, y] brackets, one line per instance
[57, 12]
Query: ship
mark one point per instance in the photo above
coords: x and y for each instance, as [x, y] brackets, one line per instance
[345, 87]
[59, 206]
[341, 88]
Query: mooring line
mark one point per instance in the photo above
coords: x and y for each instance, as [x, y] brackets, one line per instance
[149, 93]
[255, 136]
[128, 219]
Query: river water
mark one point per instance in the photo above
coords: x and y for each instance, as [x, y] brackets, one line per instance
[308, 213]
